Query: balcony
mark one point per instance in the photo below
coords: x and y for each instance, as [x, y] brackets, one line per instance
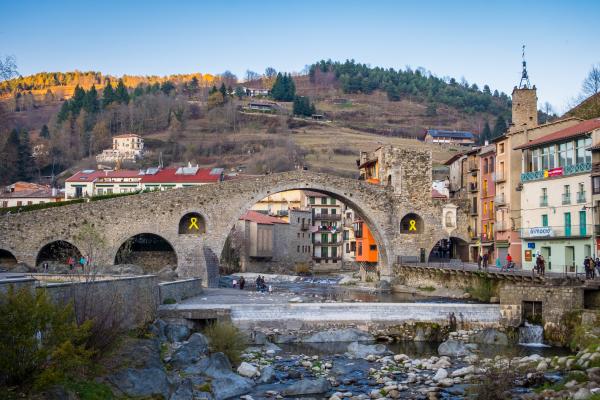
[499, 200]
[557, 232]
[328, 243]
[304, 226]
[566, 198]
[556, 172]
[473, 211]
[473, 187]
[328, 217]
[596, 168]
[499, 177]
[581, 197]
[501, 226]
[328, 258]
[543, 201]
[473, 166]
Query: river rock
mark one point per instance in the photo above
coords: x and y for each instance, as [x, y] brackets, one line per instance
[225, 382]
[490, 336]
[454, 348]
[144, 382]
[358, 350]
[447, 382]
[177, 332]
[248, 370]
[440, 374]
[184, 391]
[191, 352]
[267, 375]
[463, 371]
[339, 335]
[542, 366]
[158, 329]
[582, 394]
[307, 386]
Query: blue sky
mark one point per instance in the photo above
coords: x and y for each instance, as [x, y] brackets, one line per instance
[478, 40]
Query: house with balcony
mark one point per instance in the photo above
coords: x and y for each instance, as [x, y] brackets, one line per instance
[472, 182]
[326, 229]
[556, 198]
[487, 193]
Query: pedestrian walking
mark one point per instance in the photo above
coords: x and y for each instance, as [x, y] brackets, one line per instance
[479, 260]
[234, 283]
[597, 263]
[542, 268]
[592, 268]
[45, 266]
[242, 283]
[538, 260]
[71, 263]
[486, 257]
[586, 267]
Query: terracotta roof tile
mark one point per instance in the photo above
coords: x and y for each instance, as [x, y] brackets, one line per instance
[566, 133]
[261, 218]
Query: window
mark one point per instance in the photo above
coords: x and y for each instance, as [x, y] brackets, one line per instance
[544, 156]
[332, 201]
[324, 252]
[485, 187]
[19, 203]
[347, 247]
[298, 250]
[312, 199]
[491, 206]
[333, 211]
[535, 160]
[551, 157]
[596, 184]
[323, 200]
[544, 219]
[582, 152]
[334, 238]
[582, 226]
[373, 247]
[485, 208]
[567, 217]
[298, 234]
[492, 161]
[501, 148]
[485, 165]
[334, 252]
[359, 249]
[29, 202]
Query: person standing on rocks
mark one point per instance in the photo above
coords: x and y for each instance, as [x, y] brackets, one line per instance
[242, 283]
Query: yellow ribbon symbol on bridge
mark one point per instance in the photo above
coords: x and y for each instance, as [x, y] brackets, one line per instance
[193, 224]
[413, 225]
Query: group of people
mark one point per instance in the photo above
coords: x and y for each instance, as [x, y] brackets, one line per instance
[484, 259]
[590, 265]
[540, 265]
[241, 283]
[82, 262]
[261, 285]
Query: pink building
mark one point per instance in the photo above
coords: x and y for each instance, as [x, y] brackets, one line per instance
[487, 192]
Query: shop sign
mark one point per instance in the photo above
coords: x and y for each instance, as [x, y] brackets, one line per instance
[542, 231]
[531, 245]
[548, 173]
[528, 255]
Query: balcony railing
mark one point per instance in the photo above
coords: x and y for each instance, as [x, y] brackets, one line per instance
[581, 197]
[473, 211]
[501, 226]
[472, 187]
[328, 217]
[321, 257]
[596, 168]
[566, 198]
[328, 243]
[543, 201]
[473, 166]
[499, 200]
[499, 177]
[304, 226]
[567, 170]
[541, 232]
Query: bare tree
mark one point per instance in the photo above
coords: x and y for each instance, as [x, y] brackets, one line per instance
[252, 76]
[591, 84]
[8, 68]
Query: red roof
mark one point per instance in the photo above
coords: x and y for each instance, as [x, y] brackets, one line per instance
[570, 132]
[261, 218]
[168, 175]
[90, 175]
[32, 194]
[126, 135]
[437, 195]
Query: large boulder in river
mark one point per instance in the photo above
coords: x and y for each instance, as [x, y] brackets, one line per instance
[191, 352]
[490, 336]
[358, 350]
[177, 332]
[454, 348]
[339, 335]
[144, 382]
[225, 383]
[307, 386]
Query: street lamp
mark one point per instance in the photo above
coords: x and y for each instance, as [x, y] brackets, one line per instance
[583, 208]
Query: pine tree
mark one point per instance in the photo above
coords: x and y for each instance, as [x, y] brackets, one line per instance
[499, 128]
[76, 102]
[167, 87]
[223, 90]
[90, 102]
[194, 85]
[213, 90]
[121, 94]
[291, 88]
[10, 157]
[63, 114]
[45, 132]
[108, 95]
[486, 134]
[239, 92]
[25, 159]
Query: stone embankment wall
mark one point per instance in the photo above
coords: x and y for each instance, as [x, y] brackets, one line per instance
[16, 282]
[179, 290]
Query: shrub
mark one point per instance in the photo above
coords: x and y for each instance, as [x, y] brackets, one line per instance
[169, 300]
[36, 335]
[483, 290]
[226, 338]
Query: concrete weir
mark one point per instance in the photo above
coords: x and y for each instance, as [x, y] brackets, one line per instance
[378, 318]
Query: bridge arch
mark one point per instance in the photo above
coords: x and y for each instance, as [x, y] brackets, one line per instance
[148, 250]
[57, 251]
[364, 209]
[7, 259]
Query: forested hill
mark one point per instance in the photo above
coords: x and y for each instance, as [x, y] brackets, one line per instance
[353, 77]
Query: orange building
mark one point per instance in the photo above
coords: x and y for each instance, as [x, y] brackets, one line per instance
[366, 246]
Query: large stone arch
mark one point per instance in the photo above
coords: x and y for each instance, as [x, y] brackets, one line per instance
[7, 259]
[116, 251]
[361, 207]
[58, 251]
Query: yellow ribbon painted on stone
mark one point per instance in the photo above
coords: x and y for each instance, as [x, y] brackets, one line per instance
[194, 224]
[413, 225]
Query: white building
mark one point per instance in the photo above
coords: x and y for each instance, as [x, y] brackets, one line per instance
[126, 147]
[25, 194]
[556, 202]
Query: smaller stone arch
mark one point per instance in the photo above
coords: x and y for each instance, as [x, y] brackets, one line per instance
[7, 259]
[149, 251]
[451, 248]
[412, 223]
[58, 251]
[192, 223]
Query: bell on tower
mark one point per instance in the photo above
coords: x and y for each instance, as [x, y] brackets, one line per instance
[524, 84]
[524, 101]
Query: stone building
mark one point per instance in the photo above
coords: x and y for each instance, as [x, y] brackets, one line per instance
[126, 147]
[556, 204]
[326, 229]
[279, 204]
[472, 180]
[269, 244]
[441, 136]
[24, 194]
[487, 215]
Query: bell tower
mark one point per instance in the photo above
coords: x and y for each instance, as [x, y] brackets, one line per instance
[524, 102]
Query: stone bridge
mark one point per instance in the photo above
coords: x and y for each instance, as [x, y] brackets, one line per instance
[217, 208]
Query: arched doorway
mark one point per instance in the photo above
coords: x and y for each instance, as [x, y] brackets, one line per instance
[7, 259]
[58, 251]
[449, 249]
[192, 224]
[149, 251]
[411, 223]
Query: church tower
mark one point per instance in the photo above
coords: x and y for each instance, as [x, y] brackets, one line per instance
[524, 102]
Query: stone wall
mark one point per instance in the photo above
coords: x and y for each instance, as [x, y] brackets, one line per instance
[17, 283]
[179, 290]
[131, 301]
[221, 205]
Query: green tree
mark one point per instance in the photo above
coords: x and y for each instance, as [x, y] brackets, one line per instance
[25, 165]
[499, 127]
[44, 132]
[284, 88]
[239, 92]
[63, 114]
[108, 95]
[76, 102]
[167, 87]
[121, 94]
[10, 157]
[213, 90]
[303, 107]
[91, 104]
[223, 90]
[486, 134]
[194, 85]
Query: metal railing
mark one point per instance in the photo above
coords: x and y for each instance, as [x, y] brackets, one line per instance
[543, 201]
[473, 210]
[567, 170]
[574, 231]
[328, 217]
[499, 200]
[473, 166]
[581, 196]
[304, 226]
[499, 177]
[472, 187]
[566, 198]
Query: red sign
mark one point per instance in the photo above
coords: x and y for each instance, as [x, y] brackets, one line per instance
[553, 172]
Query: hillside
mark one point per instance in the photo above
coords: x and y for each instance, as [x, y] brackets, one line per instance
[587, 109]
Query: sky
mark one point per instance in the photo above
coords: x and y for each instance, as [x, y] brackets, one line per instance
[478, 40]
